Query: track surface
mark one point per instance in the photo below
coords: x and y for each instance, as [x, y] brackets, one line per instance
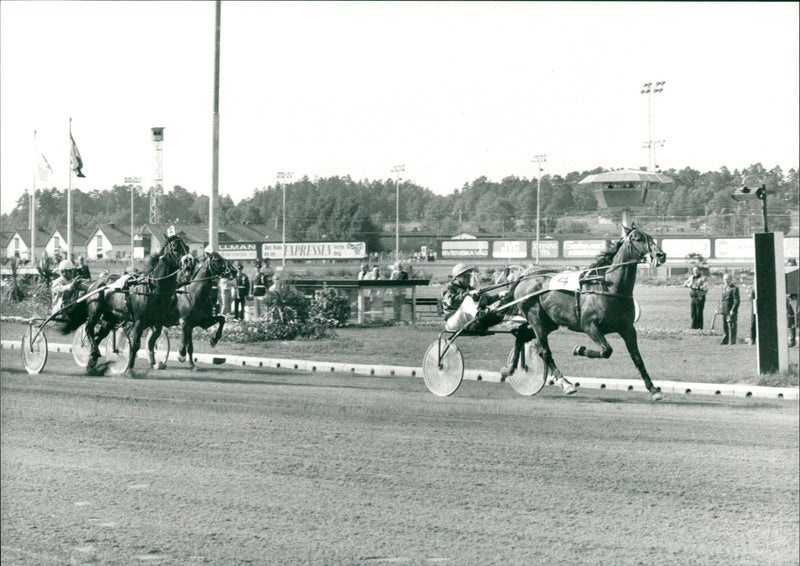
[236, 466]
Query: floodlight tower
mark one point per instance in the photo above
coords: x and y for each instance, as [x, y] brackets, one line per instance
[157, 190]
[651, 89]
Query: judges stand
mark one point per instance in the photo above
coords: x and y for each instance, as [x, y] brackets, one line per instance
[367, 296]
[770, 286]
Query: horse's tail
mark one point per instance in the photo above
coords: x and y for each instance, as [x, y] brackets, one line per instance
[73, 317]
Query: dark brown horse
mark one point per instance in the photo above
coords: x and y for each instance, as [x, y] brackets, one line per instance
[139, 304]
[602, 305]
[193, 305]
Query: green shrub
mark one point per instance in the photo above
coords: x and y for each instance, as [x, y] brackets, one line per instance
[330, 308]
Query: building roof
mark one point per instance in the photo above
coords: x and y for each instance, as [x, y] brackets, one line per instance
[198, 233]
[77, 235]
[25, 236]
[116, 235]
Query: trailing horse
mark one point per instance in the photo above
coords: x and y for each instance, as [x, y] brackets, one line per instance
[134, 302]
[193, 304]
[602, 303]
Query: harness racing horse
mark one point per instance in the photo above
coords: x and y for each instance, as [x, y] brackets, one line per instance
[140, 304]
[602, 305]
[193, 304]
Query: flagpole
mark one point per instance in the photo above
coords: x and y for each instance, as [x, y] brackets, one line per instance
[69, 197]
[32, 214]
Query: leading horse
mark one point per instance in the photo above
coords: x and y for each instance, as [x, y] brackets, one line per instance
[193, 304]
[602, 305]
[138, 304]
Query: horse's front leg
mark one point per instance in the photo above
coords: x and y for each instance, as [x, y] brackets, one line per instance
[220, 320]
[629, 335]
[151, 348]
[135, 342]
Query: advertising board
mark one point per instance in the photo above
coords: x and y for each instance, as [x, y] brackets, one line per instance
[791, 248]
[583, 248]
[315, 250]
[547, 249]
[238, 250]
[734, 248]
[679, 248]
[465, 248]
[510, 249]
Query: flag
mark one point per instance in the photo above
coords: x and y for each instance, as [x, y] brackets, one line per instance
[77, 162]
[43, 169]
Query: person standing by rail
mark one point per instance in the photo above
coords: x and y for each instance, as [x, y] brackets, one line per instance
[729, 308]
[240, 292]
[698, 287]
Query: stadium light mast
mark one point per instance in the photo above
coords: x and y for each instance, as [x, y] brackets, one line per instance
[651, 89]
[213, 202]
[538, 159]
[397, 169]
[283, 178]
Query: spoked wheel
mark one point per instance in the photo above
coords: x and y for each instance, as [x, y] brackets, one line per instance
[162, 345]
[34, 354]
[117, 349]
[531, 373]
[443, 378]
[81, 347]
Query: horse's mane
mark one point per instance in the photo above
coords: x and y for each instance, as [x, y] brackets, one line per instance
[606, 257]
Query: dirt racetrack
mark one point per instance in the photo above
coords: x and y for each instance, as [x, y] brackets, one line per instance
[249, 466]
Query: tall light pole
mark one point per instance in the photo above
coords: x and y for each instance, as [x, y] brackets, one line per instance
[538, 159]
[133, 182]
[397, 169]
[283, 178]
[651, 89]
[213, 202]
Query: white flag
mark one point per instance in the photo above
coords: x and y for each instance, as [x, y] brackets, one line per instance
[42, 167]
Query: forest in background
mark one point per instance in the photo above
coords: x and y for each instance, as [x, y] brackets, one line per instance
[340, 208]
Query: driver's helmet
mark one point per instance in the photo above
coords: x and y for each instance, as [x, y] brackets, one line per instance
[459, 269]
[65, 264]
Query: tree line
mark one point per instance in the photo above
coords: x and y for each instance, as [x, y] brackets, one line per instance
[340, 208]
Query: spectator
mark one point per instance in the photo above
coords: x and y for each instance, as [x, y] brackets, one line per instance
[240, 292]
[260, 284]
[399, 274]
[698, 287]
[729, 309]
[791, 315]
[364, 271]
[277, 284]
[224, 296]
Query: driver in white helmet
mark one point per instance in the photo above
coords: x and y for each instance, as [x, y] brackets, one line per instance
[64, 286]
[462, 303]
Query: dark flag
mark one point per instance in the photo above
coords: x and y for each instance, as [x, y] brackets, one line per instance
[77, 162]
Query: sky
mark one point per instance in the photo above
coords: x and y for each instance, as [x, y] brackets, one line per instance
[450, 90]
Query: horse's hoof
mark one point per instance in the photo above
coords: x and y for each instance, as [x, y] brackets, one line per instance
[658, 396]
[193, 368]
[161, 365]
[214, 342]
[506, 371]
[579, 351]
[566, 386]
[130, 373]
[181, 358]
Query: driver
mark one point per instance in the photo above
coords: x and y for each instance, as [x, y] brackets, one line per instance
[463, 304]
[64, 286]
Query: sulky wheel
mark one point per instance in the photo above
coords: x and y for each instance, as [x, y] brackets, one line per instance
[117, 349]
[81, 347]
[443, 378]
[531, 374]
[34, 354]
[162, 345]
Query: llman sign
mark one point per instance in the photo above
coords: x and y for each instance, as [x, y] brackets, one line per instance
[315, 250]
[238, 250]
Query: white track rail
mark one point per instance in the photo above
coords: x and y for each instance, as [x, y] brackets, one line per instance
[377, 370]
